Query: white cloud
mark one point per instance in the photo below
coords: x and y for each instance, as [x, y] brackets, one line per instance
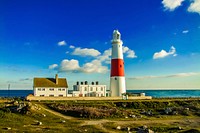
[194, 7]
[62, 43]
[86, 52]
[105, 57]
[71, 46]
[130, 53]
[69, 65]
[94, 67]
[53, 66]
[189, 74]
[163, 53]
[185, 31]
[171, 5]
[125, 49]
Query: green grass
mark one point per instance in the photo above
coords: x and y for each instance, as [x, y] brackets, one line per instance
[51, 123]
[28, 123]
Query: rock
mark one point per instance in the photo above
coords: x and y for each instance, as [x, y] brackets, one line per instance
[149, 113]
[8, 128]
[16, 102]
[63, 121]
[128, 128]
[143, 112]
[168, 110]
[179, 128]
[126, 117]
[144, 127]
[142, 130]
[133, 116]
[118, 128]
[187, 109]
[174, 112]
[39, 123]
[44, 115]
[150, 131]
[85, 130]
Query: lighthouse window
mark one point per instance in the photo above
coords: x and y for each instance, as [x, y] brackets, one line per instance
[115, 78]
[120, 65]
[117, 36]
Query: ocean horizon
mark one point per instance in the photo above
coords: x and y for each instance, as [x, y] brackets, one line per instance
[154, 93]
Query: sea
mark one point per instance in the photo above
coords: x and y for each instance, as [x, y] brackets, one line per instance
[153, 93]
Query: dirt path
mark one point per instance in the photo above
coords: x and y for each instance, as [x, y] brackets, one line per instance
[97, 124]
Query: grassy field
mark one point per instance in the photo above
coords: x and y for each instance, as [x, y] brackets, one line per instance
[158, 115]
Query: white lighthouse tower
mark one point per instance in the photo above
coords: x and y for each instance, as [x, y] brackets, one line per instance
[117, 79]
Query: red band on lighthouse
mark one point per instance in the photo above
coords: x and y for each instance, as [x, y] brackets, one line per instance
[117, 67]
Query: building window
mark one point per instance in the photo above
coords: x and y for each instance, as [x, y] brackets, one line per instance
[43, 89]
[51, 89]
[101, 88]
[91, 89]
[96, 89]
[63, 89]
[39, 89]
[41, 95]
[85, 95]
[85, 88]
[59, 89]
[102, 95]
[60, 95]
[51, 95]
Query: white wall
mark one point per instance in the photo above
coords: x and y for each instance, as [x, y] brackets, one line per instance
[50, 91]
[117, 86]
[89, 90]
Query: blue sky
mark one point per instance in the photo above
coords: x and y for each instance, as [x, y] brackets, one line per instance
[72, 38]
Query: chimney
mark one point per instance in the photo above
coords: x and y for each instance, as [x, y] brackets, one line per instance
[56, 78]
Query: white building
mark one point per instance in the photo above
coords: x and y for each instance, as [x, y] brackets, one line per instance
[85, 90]
[50, 87]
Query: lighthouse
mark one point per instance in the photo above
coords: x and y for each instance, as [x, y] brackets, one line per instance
[117, 78]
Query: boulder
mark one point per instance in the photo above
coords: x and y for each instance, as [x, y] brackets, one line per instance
[8, 128]
[118, 127]
[39, 123]
[144, 129]
[63, 121]
[128, 128]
